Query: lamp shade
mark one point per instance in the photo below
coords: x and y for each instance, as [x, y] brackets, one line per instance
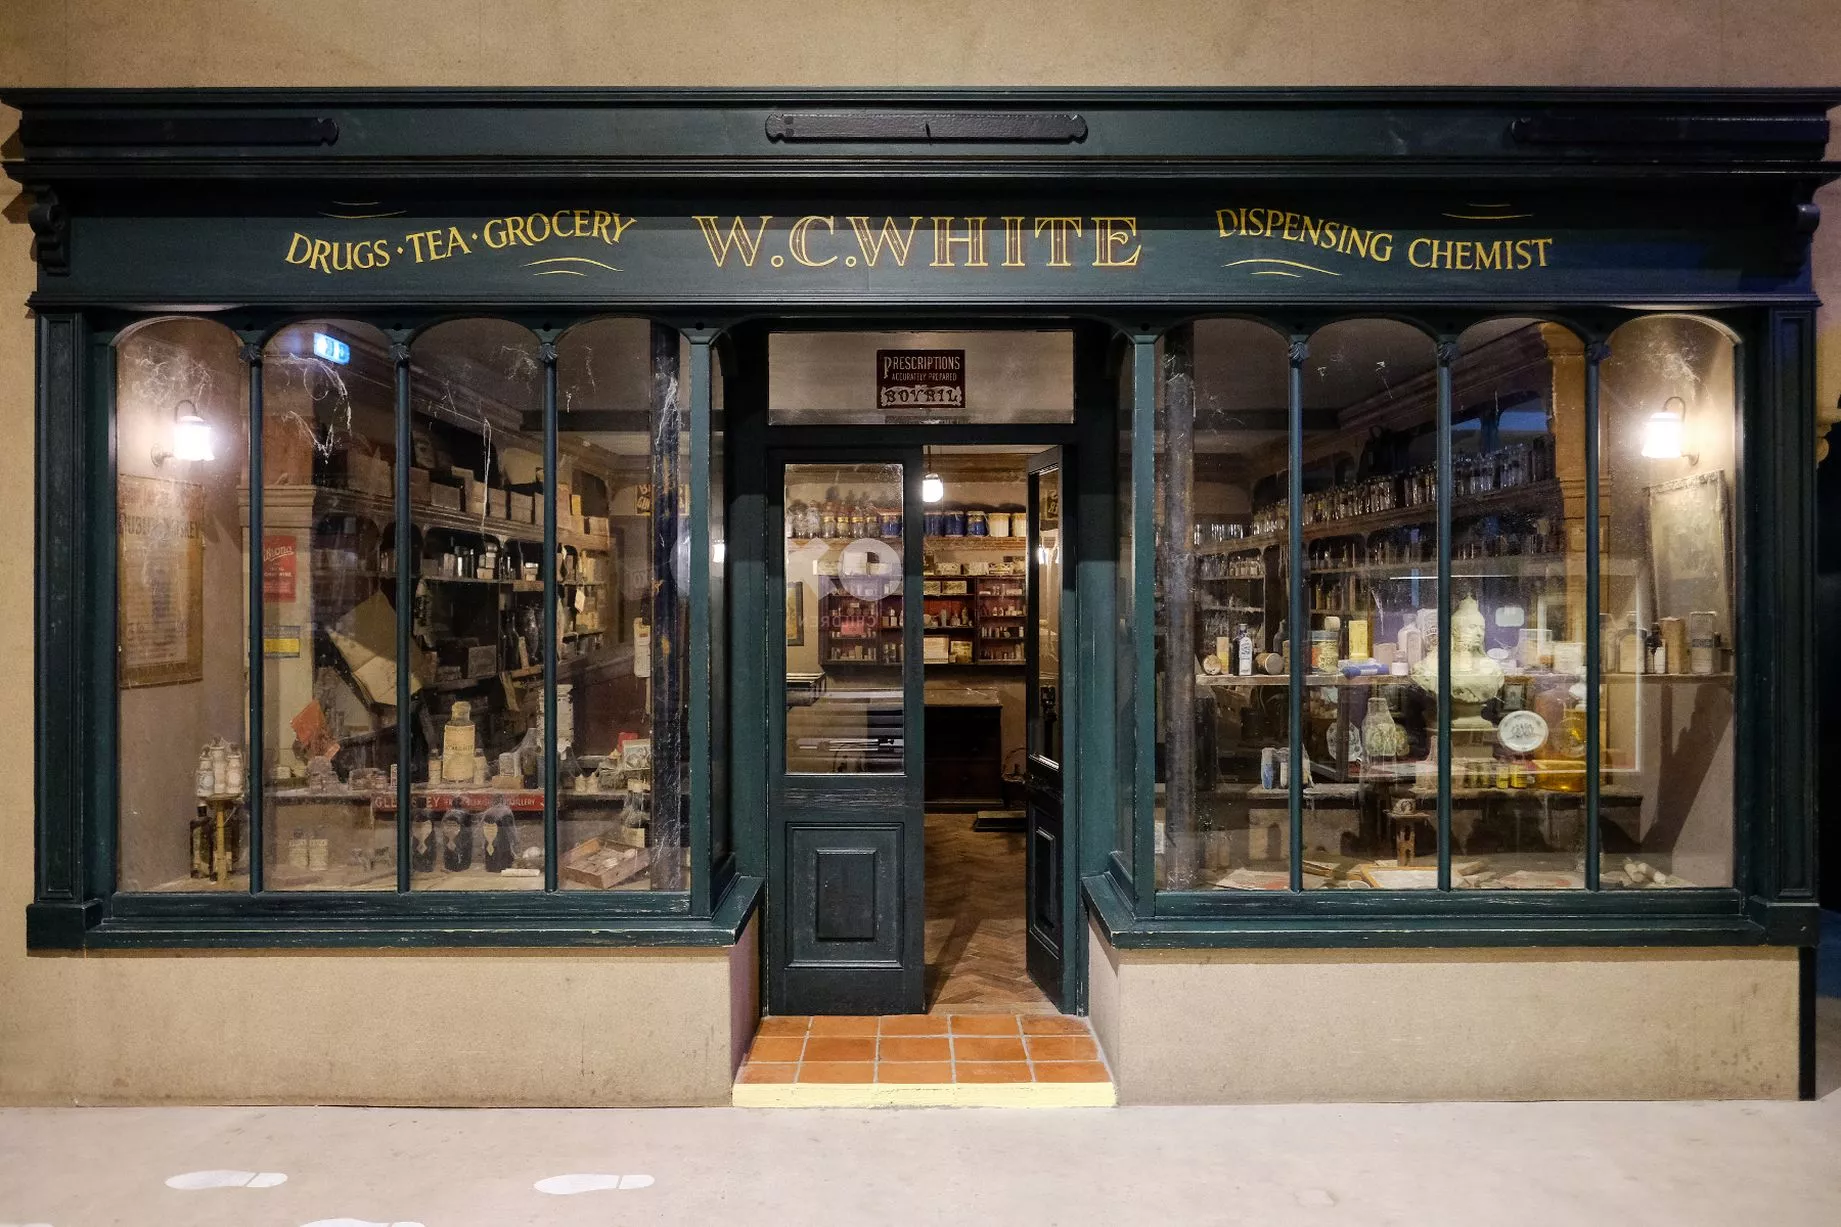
[1663, 430]
[192, 438]
[932, 488]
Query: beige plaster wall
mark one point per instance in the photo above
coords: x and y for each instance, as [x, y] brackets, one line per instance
[568, 1027]
[1253, 1026]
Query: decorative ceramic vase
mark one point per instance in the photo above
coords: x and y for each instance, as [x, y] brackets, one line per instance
[1383, 738]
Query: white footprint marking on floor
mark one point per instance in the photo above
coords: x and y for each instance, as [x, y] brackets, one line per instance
[589, 1182]
[354, 1222]
[226, 1180]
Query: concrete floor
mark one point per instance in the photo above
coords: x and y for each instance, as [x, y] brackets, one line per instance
[1424, 1165]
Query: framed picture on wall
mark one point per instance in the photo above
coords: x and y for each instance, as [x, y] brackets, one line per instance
[160, 585]
[795, 613]
[1689, 548]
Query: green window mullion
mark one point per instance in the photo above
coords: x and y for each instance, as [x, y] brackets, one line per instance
[1299, 631]
[254, 791]
[1447, 354]
[701, 354]
[1144, 615]
[546, 349]
[406, 567]
[1595, 354]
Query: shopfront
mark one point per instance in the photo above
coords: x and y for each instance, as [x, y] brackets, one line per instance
[1362, 540]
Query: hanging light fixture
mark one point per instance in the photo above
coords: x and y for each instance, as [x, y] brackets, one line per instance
[191, 436]
[932, 488]
[1664, 431]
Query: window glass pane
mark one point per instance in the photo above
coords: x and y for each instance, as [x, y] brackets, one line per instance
[329, 608]
[1124, 638]
[1666, 491]
[1518, 578]
[622, 430]
[875, 378]
[182, 629]
[844, 551]
[1369, 629]
[1222, 514]
[1045, 729]
[476, 621]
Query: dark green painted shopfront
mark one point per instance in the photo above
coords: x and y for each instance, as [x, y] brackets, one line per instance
[1355, 536]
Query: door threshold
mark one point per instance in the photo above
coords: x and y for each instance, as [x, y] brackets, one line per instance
[959, 1060]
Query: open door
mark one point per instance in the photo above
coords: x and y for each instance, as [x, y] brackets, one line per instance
[846, 848]
[1051, 607]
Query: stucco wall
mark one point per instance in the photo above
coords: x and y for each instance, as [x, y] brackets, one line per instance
[1266, 1026]
[147, 1027]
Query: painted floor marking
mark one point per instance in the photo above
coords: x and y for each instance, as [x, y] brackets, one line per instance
[224, 1179]
[589, 1182]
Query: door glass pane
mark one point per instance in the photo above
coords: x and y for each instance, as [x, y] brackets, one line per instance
[1045, 729]
[182, 461]
[909, 378]
[844, 618]
[329, 608]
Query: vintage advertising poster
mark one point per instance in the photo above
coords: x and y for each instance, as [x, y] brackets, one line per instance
[160, 585]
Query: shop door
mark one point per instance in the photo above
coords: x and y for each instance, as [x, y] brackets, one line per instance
[1051, 603]
[845, 910]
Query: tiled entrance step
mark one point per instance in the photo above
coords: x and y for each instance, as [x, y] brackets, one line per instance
[924, 1060]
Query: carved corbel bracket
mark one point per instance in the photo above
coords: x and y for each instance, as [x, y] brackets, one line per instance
[50, 230]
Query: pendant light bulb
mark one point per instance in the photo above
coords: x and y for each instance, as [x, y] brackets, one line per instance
[932, 488]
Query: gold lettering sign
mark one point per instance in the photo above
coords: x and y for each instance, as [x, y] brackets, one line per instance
[514, 231]
[1342, 238]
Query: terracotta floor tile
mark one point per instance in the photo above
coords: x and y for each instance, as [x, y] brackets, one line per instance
[980, 1048]
[845, 1024]
[840, 1048]
[768, 1073]
[913, 1024]
[863, 1072]
[915, 1048]
[1062, 1048]
[786, 1024]
[991, 1071]
[913, 1071]
[1054, 1024]
[776, 1048]
[984, 1024]
[1071, 1071]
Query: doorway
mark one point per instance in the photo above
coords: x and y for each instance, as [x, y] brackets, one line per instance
[916, 854]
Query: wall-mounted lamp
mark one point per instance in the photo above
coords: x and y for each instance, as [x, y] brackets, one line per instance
[191, 436]
[1665, 431]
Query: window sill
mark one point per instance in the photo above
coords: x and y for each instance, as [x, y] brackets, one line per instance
[1240, 920]
[393, 922]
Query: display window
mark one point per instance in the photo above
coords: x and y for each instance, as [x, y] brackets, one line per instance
[542, 618]
[1471, 686]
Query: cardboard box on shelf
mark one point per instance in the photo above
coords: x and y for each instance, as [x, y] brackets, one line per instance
[496, 506]
[520, 506]
[418, 485]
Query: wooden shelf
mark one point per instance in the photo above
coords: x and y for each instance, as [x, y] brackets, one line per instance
[426, 515]
[1534, 492]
